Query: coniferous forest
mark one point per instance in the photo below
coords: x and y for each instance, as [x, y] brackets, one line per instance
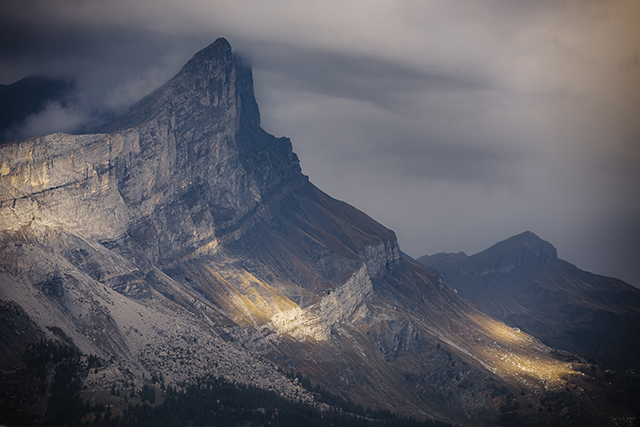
[44, 389]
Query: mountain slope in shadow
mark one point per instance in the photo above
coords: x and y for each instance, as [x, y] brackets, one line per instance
[522, 282]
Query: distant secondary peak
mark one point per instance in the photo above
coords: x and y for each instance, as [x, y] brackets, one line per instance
[523, 248]
[540, 249]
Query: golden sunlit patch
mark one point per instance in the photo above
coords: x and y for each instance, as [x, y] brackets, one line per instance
[512, 353]
[254, 301]
[500, 330]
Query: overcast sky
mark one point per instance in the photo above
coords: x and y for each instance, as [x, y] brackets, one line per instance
[456, 123]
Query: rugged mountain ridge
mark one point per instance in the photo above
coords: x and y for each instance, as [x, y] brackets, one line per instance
[522, 282]
[184, 241]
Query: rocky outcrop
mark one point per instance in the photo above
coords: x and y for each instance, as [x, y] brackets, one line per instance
[347, 303]
[381, 258]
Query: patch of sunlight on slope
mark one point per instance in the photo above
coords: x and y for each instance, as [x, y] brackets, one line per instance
[348, 303]
[505, 351]
[301, 324]
[512, 353]
[253, 301]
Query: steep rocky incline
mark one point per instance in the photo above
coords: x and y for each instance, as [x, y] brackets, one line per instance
[182, 240]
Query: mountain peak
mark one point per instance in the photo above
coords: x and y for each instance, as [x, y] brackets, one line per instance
[522, 249]
[529, 245]
[214, 87]
[217, 52]
[220, 45]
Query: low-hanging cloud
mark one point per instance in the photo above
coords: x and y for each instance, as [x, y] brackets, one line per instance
[54, 117]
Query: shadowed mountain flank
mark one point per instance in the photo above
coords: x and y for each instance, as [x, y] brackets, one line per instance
[522, 282]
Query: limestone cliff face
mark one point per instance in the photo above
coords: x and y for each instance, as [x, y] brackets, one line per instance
[65, 181]
[182, 240]
[180, 169]
[84, 216]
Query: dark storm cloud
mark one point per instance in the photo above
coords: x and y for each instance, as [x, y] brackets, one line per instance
[423, 149]
[386, 103]
[36, 44]
[112, 65]
[366, 78]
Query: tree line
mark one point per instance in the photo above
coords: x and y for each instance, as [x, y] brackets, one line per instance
[30, 395]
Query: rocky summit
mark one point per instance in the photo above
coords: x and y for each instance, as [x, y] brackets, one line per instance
[182, 242]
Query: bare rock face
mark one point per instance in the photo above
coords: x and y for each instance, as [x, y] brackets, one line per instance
[181, 165]
[182, 240]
